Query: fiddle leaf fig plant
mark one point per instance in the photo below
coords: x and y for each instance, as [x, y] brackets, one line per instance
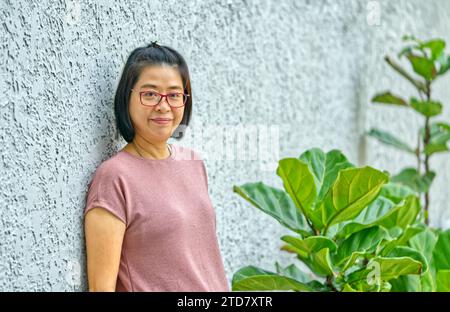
[351, 227]
[428, 62]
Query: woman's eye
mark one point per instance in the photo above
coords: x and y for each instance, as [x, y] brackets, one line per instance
[174, 95]
[149, 94]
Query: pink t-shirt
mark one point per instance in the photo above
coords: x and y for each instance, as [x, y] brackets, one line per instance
[170, 242]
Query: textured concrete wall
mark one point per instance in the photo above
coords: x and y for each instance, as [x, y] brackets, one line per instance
[307, 67]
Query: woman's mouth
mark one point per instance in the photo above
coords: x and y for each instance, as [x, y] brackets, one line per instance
[161, 121]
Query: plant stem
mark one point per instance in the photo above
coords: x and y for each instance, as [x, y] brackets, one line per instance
[426, 141]
[427, 167]
[418, 84]
[418, 151]
[310, 225]
[329, 283]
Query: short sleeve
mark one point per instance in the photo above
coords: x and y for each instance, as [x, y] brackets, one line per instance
[199, 158]
[205, 174]
[205, 178]
[106, 191]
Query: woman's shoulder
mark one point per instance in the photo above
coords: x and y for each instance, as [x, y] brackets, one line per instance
[107, 172]
[111, 167]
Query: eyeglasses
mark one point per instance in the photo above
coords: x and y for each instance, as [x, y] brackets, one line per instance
[153, 98]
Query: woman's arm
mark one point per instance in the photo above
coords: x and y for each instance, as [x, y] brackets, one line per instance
[104, 236]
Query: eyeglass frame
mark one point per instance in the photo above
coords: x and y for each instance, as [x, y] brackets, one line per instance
[161, 97]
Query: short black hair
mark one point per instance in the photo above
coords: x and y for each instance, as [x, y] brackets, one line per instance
[153, 54]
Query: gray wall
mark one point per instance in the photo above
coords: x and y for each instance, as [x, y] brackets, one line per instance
[307, 67]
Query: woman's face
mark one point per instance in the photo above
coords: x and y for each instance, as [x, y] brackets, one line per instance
[162, 79]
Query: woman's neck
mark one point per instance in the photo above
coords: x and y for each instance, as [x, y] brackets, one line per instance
[151, 150]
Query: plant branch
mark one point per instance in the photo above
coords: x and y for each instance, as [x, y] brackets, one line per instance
[325, 230]
[418, 151]
[310, 225]
[329, 283]
[418, 84]
[426, 141]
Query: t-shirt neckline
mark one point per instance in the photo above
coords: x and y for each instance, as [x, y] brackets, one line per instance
[167, 159]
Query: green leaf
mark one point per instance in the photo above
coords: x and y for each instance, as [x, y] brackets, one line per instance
[432, 148]
[389, 98]
[404, 214]
[364, 286]
[254, 278]
[348, 288]
[310, 244]
[299, 184]
[438, 132]
[404, 251]
[426, 108]
[391, 140]
[414, 180]
[321, 263]
[353, 190]
[443, 280]
[443, 125]
[354, 257]
[439, 136]
[424, 242]
[414, 283]
[294, 272]
[441, 251]
[395, 192]
[423, 66]
[420, 85]
[385, 287]
[325, 168]
[275, 203]
[401, 240]
[444, 64]
[365, 240]
[348, 228]
[359, 244]
[406, 283]
[407, 50]
[313, 251]
[378, 208]
[384, 269]
[427, 282]
[436, 47]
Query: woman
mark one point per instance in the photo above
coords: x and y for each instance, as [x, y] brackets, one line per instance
[149, 222]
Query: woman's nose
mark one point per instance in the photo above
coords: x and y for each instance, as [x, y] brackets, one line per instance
[164, 102]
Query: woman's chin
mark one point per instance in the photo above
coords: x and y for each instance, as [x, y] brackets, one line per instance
[161, 134]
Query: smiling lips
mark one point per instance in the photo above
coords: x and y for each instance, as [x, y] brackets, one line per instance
[161, 121]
